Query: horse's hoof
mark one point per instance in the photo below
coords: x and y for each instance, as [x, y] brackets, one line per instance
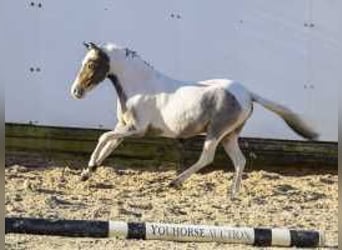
[174, 184]
[92, 168]
[84, 177]
[233, 197]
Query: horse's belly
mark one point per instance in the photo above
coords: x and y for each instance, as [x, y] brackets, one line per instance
[182, 130]
[186, 120]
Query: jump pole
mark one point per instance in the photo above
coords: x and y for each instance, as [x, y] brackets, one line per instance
[171, 232]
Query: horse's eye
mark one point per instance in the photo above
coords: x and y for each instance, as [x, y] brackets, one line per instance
[91, 66]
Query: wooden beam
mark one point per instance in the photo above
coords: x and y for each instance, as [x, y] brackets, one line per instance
[58, 143]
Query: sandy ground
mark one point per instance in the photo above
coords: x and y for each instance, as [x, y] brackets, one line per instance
[289, 198]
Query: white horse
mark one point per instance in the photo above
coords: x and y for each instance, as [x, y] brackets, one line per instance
[150, 103]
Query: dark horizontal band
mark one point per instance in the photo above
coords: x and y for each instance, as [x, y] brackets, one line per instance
[262, 237]
[136, 230]
[71, 228]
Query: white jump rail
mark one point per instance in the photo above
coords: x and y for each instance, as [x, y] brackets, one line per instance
[171, 232]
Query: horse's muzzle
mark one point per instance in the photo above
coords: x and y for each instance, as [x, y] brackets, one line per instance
[77, 93]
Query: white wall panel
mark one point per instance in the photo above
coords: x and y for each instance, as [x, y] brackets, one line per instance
[288, 51]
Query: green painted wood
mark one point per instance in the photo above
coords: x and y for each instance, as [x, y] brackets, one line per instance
[62, 143]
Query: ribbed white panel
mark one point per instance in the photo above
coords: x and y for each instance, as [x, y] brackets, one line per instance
[281, 237]
[199, 233]
[118, 229]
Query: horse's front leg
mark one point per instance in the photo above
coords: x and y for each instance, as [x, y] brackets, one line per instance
[105, 146]
[95, 162]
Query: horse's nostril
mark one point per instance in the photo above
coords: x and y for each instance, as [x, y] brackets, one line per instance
[77, 92]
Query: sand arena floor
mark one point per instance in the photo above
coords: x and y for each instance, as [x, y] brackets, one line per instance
[288, 197]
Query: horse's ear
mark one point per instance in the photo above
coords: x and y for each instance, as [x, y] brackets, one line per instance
[87, 45]
[93, 45]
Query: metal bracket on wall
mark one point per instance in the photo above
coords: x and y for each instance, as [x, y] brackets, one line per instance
[35, 69]
[175, 16]
[309, 86]
[38, 5]
[309, 25]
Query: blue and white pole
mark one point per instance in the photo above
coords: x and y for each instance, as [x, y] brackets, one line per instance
[172, 232]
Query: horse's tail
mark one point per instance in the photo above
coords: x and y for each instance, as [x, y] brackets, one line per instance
[291, 118]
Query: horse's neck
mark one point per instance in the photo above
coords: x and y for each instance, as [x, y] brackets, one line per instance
[144, 80]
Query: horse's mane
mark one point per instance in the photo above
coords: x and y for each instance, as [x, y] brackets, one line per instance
[130, 54]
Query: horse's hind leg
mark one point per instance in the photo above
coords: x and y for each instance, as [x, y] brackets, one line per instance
[231, 146]
[227, 120]
[206, 158]
[182, 158]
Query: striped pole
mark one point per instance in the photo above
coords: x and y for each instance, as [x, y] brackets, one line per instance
[159, 231]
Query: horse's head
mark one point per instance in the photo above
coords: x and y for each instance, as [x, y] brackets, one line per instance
[94, 69]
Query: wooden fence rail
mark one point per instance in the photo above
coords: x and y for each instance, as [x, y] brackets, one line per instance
[58, 143]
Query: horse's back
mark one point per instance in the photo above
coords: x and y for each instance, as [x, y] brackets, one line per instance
[192, 108]
[233, 87]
